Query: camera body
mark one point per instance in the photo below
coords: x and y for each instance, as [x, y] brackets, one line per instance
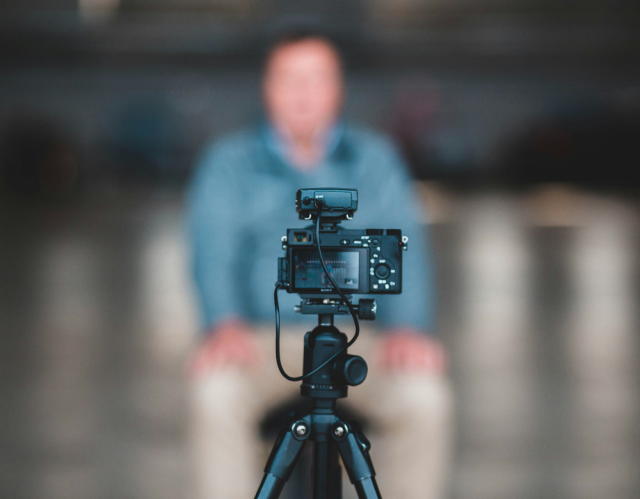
[360, 261]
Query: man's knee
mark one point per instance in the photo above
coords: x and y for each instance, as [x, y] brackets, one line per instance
[416, 400]
[224, 397]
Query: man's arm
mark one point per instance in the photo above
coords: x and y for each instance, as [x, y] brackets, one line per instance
[213, 230]
[214, 236]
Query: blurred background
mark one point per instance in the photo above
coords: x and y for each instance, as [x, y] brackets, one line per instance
[520, 120]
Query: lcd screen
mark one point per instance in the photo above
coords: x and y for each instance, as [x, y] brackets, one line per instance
[344, 267]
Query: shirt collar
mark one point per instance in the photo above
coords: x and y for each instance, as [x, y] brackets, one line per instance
[277, 144]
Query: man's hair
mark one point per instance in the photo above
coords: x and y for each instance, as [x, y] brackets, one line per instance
[297, 35]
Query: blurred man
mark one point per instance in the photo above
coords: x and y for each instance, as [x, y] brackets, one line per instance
[241, 202]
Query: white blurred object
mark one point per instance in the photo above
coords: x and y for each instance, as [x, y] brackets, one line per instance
[601, 345]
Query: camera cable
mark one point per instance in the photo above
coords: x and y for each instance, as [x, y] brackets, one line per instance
[352, 310]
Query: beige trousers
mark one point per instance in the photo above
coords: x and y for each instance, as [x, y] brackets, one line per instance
[411, 413]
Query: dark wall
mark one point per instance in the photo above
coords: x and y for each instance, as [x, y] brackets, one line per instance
[522, 91]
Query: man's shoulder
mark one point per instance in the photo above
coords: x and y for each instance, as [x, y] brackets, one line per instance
[374, 151]
[229, 157]
[368, 139]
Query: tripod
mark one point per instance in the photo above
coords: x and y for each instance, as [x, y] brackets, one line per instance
[329, 432]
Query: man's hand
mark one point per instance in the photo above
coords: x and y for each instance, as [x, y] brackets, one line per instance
[230, 344]
[410, 351]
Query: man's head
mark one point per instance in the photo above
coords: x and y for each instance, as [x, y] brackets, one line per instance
[303, 85]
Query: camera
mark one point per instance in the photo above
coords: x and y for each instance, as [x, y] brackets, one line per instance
[367, 261]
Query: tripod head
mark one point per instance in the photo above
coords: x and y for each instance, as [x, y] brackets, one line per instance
[332, 380]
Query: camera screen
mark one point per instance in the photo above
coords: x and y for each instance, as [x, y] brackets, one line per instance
[344, 267]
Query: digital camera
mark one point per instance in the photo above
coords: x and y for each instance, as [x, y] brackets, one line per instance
[365, 261]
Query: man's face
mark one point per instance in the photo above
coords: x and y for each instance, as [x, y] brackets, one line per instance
[303, 88]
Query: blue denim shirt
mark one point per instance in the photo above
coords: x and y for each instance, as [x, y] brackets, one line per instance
[241, 201]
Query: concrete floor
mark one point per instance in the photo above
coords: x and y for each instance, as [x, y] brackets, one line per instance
[539, 309]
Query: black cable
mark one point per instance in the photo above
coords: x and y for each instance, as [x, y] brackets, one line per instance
[342, 295]
[333, 282]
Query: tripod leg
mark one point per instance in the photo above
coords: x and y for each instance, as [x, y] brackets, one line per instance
[327, 474]
[283, 458]
[354, 450]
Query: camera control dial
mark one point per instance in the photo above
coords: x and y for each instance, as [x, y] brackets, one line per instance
[382, 271]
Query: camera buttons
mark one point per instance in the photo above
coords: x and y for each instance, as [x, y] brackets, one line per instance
[375, 255]
[345, 242]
